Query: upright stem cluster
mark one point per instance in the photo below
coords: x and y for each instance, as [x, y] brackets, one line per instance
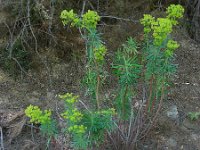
[95, 50]
[158, 52]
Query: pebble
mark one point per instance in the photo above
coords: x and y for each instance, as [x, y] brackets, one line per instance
[172, 112]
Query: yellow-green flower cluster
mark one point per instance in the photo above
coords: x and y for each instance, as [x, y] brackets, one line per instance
[77, 129]
[38, 116]
[161, 28]
[73, 115]
[171, 46]
[146, 21]
[175, 12]
[69, 17]
[99, 53]
[90, 19]
[69, 98]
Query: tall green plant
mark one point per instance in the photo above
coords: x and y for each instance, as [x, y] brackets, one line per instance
[127, 69]
[95, 49]
[97, 121]
[158, 52]
[73, 119]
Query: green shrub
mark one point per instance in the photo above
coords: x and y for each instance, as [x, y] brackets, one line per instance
[48, 125]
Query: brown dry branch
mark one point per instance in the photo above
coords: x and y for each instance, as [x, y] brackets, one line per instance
[36, 45]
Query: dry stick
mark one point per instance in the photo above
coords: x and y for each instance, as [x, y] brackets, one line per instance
[97, 5]
[52, 9]
[1, 139]
[196, 13]
[11, 35]
[37, 128]
[19, 65]
[119, 18]
[36, 42]
[138, 117]
[90, 4]
[109, 134]
[120, 132]
[32, 136]
[83, 8]
[108, 25]
[136, 126]
[84, 106]
[157, 112]
[53, 37]
[12, 44]
[130, 124]
[29, 23]
[137, 131]
[58, 112]
[12, 41]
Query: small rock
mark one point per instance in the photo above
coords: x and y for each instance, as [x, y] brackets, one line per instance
[3, 100]
[50, 96]
[195, 137]
[35, 93]
[171, 142]
[172, 113]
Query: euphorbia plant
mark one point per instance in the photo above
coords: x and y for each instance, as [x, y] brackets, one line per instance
[44, 118]
[158, 52]
[95, 49]
[127, 68]
[86, 127]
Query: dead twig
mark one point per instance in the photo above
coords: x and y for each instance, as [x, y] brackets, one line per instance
[84, 106]
[58, 113]
[36, 45]
[122, 19]
[1, 139]
[83, 8]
